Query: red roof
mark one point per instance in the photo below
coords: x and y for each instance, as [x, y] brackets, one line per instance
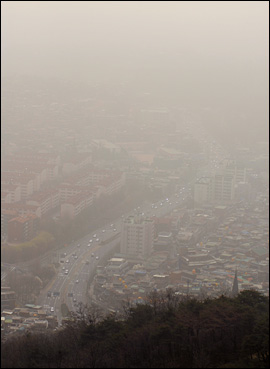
[23, 218]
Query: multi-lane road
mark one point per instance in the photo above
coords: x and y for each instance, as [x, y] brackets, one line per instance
[80, 259]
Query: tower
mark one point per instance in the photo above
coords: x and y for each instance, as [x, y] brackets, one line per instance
[137, 236]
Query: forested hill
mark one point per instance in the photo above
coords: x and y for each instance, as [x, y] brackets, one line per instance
[167, 332]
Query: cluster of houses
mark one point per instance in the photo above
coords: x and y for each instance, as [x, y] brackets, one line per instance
[30, 318]
[195, 252]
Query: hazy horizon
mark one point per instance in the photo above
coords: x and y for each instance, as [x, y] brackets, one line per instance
[206, 54]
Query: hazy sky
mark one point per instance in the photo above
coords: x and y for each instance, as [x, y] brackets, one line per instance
[207, 53]
[78, 39]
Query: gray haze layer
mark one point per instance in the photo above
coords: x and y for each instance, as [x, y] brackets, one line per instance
[202, 54]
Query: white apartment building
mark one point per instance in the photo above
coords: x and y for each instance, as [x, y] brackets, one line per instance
[76, 204]
[232, 168]
[10, 193]
[223, 188]
[219, 188]
[203, 190]
[112, 185]
[45, 200]
[137, 236]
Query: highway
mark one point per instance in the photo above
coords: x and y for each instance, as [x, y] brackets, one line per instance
[82, 257]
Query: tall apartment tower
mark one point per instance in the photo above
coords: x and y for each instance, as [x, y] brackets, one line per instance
[203, 190]
[224, 187]
[232, 168]
[137, 236]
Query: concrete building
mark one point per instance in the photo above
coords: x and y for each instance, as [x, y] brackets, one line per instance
[203, 190]
[22, 228]
[14, 190]
[47, 200]
[76, 204]
[223, 188]
[219, 188]
[116, 266]
[21, 208]
[137, 237]
[8, 298]
[232, 168]
[6, 216]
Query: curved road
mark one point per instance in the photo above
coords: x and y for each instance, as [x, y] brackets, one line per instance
[82, 257]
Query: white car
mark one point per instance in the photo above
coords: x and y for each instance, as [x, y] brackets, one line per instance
[103, 231]
[94, 235]
[77, 281]
[97, 257]
[52, 309]
[97, 239]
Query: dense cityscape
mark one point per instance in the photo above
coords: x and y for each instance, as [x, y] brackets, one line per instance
[198, 218]
[135, 185]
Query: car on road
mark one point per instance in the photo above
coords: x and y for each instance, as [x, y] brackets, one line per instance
[94, 235]
[77, 281]
[97, 239]
[67, 261]
[87, 262]
[66, 271]
[52, 309]
[74, 300]
[90, 241]
[97, 257]
[76, 257]
[78, 245]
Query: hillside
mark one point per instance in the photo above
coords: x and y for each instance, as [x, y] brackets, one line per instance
[168, 332]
